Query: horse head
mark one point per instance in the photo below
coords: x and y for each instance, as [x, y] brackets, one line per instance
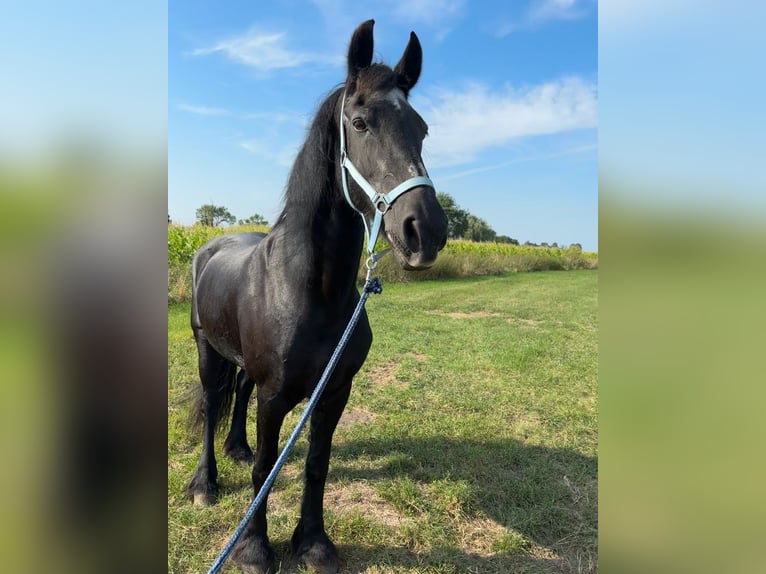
[381, 145]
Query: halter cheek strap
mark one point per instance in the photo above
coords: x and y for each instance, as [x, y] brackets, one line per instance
[381, 201]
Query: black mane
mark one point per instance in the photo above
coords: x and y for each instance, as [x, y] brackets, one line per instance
[311, 181]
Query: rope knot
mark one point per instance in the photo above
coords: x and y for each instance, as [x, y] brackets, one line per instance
[373, 286]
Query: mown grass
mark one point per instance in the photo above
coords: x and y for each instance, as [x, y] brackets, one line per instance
[468, 445]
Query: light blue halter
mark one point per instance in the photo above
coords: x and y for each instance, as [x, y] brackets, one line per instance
[380, 201]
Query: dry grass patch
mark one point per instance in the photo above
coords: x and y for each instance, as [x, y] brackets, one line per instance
[360, 497]
[486, 315]
[527, 424]
[469, 315]
[526, 322]
[352, 417]
[479, 536]
[385, 374]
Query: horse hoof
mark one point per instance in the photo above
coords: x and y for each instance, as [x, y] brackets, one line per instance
[204, 499]
[255, 569]
[241, 453]
[321, 558]
[254, 556]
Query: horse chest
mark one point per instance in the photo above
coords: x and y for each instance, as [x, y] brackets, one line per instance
[320, 340]
[303, 355]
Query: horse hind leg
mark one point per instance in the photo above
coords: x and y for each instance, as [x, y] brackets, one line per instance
[217, 379]
[236, 446]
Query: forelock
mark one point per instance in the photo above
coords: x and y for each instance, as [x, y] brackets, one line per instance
[376, 78]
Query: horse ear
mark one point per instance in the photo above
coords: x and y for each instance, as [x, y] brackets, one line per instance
[408, 68]
[360, 49]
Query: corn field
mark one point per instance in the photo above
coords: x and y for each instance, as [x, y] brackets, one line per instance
[459, 258]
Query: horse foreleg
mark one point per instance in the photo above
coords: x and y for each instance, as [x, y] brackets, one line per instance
[310, 541]
[253, 553]
[236, 446]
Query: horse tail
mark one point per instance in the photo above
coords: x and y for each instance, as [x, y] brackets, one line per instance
[194, 314]
[196, 417]
[224, 396]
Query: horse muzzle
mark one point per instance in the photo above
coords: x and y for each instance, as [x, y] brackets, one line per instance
[418, 230]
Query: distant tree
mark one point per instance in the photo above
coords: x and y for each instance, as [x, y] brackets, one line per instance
[479, 230]
[506, 239]
[530, 244]
[256, 219]
[554, 244]
[213, 215]
[576, 247]
[169, 220]
[457, 218]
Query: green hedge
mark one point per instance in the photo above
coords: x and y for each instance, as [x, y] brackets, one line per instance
[459, 258]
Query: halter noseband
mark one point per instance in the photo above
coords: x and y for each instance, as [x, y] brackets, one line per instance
[380, 201]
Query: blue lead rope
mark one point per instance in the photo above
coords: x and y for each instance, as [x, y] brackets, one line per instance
[371, 286]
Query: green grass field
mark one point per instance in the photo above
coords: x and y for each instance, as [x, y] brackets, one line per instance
[469, 443]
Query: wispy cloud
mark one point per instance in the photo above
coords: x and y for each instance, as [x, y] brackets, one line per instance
[298, 119]
[266, 51]
[541, 11]
[464, 123]
[441, 15]
[272, 116]
[203, 110]
[283, 156]
[567, 152]
[426, 11]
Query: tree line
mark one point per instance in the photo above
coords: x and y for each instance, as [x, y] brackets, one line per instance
[462, 224]
[210, 215]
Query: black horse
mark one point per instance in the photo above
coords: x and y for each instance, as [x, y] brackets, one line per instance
[275, 305]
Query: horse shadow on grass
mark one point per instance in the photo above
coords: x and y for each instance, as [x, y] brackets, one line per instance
[537, 505]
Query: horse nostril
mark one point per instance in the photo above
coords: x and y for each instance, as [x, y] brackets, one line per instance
[411, 236]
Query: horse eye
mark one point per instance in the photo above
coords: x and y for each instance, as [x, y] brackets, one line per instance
[359, 124]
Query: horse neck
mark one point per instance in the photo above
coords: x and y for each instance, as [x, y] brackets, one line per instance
[323, 234]
[323, 249]
[337, 247]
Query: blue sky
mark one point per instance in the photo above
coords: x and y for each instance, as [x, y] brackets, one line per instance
[509, 90]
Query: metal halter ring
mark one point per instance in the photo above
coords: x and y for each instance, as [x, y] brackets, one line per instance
[381, 201]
